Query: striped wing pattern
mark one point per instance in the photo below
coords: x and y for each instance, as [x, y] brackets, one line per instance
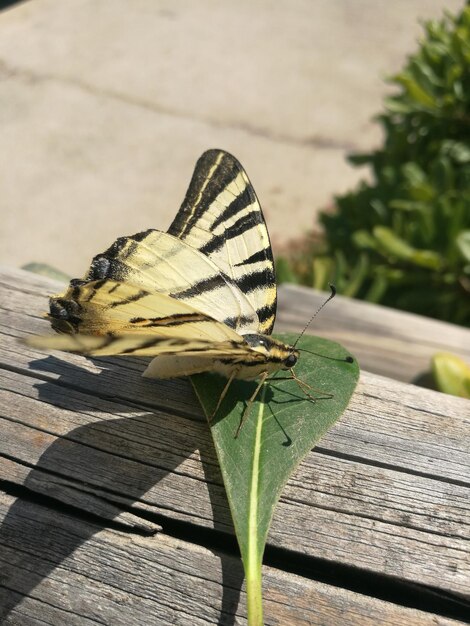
[221, 217]
[160, 262]
[102, 318]
[107, 307]
[186, 296]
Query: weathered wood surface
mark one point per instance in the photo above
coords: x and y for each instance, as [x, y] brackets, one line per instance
[109, 576]
[385, 341]
[385, 493]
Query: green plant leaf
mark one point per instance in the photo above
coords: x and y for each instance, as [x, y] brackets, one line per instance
[427, 258]
[463, 244]
[415, 91]
[358, 275]
[392, 244]
[451, 374]
[322, 269]
[284, 271]
[47, 270]
[281, 428]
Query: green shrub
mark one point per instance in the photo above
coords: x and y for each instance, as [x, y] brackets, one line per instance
[404, 240]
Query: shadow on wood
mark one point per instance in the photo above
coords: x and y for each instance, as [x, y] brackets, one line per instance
[93, 469]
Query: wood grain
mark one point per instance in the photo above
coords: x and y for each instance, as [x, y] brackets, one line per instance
[59, 569]
[385, 492]
[385, 341]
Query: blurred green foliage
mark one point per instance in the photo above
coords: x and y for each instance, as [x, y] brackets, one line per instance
[404, 239]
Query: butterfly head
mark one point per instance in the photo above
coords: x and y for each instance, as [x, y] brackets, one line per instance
[278, 354]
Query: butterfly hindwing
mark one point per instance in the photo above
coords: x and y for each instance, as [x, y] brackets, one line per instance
[107, 307]
[221, 217]
[160, 262]
[103, 318]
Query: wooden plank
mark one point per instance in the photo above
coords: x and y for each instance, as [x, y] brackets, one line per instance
[387, 490]
[103, 457]
[405, 426]
[385, 341]
[58, 569]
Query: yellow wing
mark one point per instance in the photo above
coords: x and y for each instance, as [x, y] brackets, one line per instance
[108, 307]
[221, 217]
[186, 295]
[216, 255]
[159, 262]
[102, 318]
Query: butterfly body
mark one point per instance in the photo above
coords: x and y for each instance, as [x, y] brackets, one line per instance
[271, 356]
[201, 297]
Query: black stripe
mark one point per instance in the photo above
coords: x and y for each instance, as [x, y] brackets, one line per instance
[147, 344]
[255, 280]
[154, 341]
[267, 311]
[99, 267]
[240, 226]
[77, 282]
[108, 340]
[238, 204]
[224, 174]
[142, 235]
[171, 320]
[208, 284]
[96, 286]
[134, 298]
[252, 363]
[256, 257]
[105, 265]
[110, 268]
[240, 320]
[116, 248]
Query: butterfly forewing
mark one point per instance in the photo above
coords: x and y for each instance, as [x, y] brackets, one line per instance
[221, 217]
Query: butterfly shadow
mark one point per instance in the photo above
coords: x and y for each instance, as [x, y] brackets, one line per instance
[81, 474]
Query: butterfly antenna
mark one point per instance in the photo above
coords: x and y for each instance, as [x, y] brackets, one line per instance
[330, 297]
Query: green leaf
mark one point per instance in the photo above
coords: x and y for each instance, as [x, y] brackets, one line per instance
[415, 91]
[358, 276]
[409, 205]
[47, 270]
[363, 240]
[427, 258]
[391, 243]
[284, 271]
[457, 150]
[281, 428]
[452, 374]
[463, 244]
[378, 288]
[323, 268]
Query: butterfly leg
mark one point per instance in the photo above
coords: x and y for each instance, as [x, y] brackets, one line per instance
[303, 386]
[222, 395]
[246, 412]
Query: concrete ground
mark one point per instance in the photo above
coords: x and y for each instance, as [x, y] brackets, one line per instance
[106, 105]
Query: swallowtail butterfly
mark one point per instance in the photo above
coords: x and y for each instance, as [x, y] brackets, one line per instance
[198, 298]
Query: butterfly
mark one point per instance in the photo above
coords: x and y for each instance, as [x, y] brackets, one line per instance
[198, 298]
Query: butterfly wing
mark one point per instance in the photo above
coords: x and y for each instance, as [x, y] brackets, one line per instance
[102, 318]
[160, 262]
[185, 295]
[221, 217]
[107, 307]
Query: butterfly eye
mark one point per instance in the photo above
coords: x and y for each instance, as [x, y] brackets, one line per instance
[291, 360]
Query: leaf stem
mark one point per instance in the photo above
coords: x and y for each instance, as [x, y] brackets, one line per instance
[253, 557]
